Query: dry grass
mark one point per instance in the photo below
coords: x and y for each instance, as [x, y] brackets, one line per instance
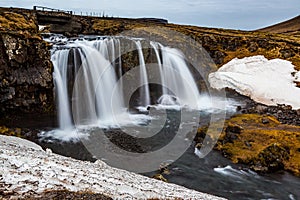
[16, 22]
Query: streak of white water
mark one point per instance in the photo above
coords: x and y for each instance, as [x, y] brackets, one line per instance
[144, 92]
[176, 77]
[60, 63]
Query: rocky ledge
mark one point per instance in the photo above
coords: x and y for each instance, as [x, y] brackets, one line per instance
[26, 170]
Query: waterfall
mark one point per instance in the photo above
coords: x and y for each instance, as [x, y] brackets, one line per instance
[60, 64]
[94, 89]
[93, 99]
[156, 46]
[86, 73]
[179, 85]
[144, 91]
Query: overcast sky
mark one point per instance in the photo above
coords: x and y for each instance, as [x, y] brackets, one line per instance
[235, 14]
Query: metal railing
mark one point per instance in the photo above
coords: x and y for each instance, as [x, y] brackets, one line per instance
[42, 8]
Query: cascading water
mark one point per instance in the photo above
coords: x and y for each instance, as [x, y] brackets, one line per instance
[144, 92]
[180, 87]
[60, 63]
[86, 75]
[93, 88]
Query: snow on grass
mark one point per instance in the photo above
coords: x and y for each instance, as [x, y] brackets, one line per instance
[269, 82]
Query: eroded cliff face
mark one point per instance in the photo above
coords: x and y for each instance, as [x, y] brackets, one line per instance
[26, 84]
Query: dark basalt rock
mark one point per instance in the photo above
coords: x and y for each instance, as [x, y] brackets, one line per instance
[265, 120]
[284, 113]
[26, 84]
[233, 128]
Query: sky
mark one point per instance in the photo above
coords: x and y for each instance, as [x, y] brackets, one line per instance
[230, 14]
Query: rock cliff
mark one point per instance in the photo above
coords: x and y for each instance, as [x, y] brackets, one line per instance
[26, 84]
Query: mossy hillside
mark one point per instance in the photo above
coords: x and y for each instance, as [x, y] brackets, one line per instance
[228, 44]
[259, 141]
[11, 21]
[222, 44]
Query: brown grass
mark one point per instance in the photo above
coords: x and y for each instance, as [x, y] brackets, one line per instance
[16, 22]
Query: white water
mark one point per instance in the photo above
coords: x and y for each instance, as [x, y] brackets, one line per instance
[144, 92]
[94, 101]
[60, 63]
[156, 46]
[97, 100]
[228, 171]
[176, 78]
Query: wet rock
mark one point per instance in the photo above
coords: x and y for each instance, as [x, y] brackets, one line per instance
[233, 128]
[201, 133]
[265, 120]
[260, 108]
[284, 113]
[160, 177]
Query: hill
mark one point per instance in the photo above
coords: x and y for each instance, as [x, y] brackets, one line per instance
[291, 27]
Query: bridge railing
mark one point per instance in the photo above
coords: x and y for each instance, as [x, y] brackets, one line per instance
[42, 8]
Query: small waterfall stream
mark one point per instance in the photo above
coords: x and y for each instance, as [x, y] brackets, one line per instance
[60, 64]
[144, 92]
[179, 85]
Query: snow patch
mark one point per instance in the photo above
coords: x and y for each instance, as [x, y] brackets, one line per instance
[269, 82]
[25, 167]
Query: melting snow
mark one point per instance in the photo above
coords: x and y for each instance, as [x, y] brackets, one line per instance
[25, 167]
[269, 82]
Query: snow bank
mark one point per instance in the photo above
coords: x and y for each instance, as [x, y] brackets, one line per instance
[269, 82]
[25, 167]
